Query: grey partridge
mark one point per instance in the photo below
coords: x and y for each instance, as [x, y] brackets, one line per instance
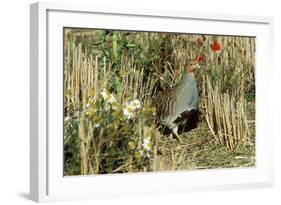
[175, 105]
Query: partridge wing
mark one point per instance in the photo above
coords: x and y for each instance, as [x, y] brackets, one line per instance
[165, 103]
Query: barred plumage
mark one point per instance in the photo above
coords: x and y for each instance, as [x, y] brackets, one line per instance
[165, 103]
[175, 105]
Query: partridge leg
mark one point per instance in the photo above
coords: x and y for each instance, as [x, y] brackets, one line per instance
[171, 136]
[175, 131]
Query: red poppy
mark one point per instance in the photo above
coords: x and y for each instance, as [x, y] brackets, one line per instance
[199, 58]
[216, 46]
[199, 41]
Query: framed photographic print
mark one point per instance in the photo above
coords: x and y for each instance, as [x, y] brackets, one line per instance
[127, 102]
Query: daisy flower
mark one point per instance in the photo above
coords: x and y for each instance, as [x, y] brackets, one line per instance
[146, 143]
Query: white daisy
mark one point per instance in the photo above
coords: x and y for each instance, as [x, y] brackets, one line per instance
[104, 94]
[136, 103]
[146, 143]
[96, 125]
[112, 99]
[128, 112]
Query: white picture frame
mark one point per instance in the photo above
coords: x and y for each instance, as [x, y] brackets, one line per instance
[46, 177]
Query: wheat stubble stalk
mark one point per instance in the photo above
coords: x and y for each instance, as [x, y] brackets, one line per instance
[225, 116]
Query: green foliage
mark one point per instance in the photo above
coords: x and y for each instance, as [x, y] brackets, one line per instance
[71, 147]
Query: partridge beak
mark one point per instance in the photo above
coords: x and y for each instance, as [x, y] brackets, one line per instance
[197, 66]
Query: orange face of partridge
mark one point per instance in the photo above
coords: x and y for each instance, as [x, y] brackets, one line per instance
[191, 66]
